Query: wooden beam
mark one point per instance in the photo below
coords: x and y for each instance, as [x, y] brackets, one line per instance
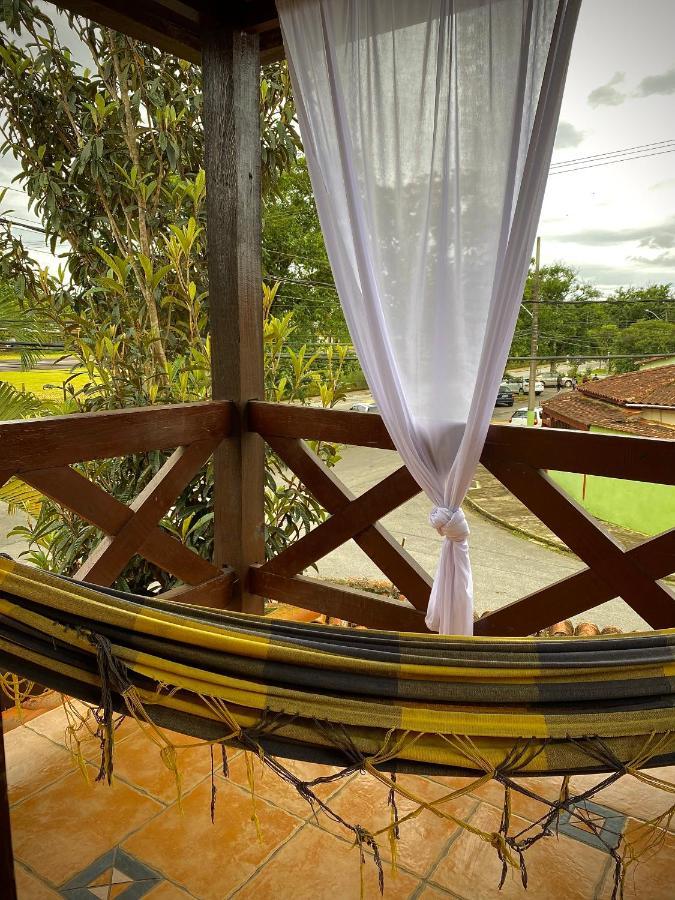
[177, 27]
[172, 30]
[214, 593]
[62, 440]
[575, 594]
[311, 423]
[614, 456]
[389, 556]
[610, 455]
[591, 543]
[230, 64]
[339, 602]
[108, 560]
[73, 491]
[346, 523]
[7, 880]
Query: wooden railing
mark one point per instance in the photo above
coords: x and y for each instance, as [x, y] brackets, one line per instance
[42, 453]
[519, 458]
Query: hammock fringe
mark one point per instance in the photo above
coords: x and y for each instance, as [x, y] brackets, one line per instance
[101, 722]
[378, 703]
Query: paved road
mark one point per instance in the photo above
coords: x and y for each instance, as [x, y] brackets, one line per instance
[505, 566]
[14, 365]
[500, 414]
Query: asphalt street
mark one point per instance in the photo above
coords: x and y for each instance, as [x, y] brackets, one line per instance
[14, 365]
[505, 565]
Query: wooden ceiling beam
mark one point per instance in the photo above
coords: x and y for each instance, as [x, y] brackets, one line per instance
[176, 26]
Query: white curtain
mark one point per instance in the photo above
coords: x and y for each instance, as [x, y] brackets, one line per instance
[428, 127]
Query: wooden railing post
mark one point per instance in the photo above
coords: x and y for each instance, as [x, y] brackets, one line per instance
[231, 75]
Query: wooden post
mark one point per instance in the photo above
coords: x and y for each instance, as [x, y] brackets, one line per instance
[7, 882]
[231, 77]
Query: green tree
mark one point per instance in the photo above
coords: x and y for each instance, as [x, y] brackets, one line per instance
[294, 254]
[563, 319]
[110, 158]
[646, 336]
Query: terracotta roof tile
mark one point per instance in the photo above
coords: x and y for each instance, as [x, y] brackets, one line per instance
[650, 387]
[581, 411]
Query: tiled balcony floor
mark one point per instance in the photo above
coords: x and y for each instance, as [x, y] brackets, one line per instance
[80, 840]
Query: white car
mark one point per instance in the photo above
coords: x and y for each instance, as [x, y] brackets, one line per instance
[364, 408]
[520, 384]
[538, 386]
[519, 418]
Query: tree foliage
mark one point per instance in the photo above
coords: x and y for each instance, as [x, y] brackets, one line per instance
[576, 321]
[294, 254]
[110, 157]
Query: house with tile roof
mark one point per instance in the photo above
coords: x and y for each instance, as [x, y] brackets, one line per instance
[641, 403]
[636, 403]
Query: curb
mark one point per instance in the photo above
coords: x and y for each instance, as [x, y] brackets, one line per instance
[529, 535]
[515, 529]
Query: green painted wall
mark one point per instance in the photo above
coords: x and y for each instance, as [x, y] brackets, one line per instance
[636, 505]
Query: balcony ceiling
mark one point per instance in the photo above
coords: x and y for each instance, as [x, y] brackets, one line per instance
[176, 26]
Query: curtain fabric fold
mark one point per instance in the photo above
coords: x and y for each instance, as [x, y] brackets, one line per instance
[428, 127]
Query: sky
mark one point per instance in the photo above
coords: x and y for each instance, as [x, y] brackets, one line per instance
[614, 223]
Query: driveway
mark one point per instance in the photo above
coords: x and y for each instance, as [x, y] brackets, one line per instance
[505, 565]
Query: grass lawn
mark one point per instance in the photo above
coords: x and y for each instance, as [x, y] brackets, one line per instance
[45, 383]
[13, 356]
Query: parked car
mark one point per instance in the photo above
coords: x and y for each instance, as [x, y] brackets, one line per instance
[520, 384]
[364, 408]
[551, 380]
[519, 418]
[504, 396]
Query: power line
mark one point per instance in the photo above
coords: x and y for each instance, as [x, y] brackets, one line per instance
[27, 227]
[654, 145]
[597, 356]
[610, 162]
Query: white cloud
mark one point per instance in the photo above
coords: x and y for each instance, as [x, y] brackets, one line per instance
[660, 236]
[607, 94]
[657, 84]
[567, 136]
[660, 261]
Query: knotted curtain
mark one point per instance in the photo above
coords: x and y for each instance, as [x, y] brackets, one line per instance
[428, 127]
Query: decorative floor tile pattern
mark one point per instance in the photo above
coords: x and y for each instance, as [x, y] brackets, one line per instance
[593, 824]
[114, 875]
[86, 841]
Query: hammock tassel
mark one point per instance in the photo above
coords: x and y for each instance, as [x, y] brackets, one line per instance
[394, 831]
[250, 775]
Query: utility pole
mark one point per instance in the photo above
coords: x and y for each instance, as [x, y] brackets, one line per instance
[534, 339]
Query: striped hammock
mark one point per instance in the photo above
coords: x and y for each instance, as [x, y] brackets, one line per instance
[378, 701]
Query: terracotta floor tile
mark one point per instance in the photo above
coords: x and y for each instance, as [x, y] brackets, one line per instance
[53, 725]
[630, 796]
[167, 891]
[31, 708]
[70, 823]
[422, 839]
[316, 865]
[28, 887]
[138, 760]
[521, 804]
[33, 762]
[651, 878]
[211, 860]
[276, 790]
[430, 892]
[562, 867]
